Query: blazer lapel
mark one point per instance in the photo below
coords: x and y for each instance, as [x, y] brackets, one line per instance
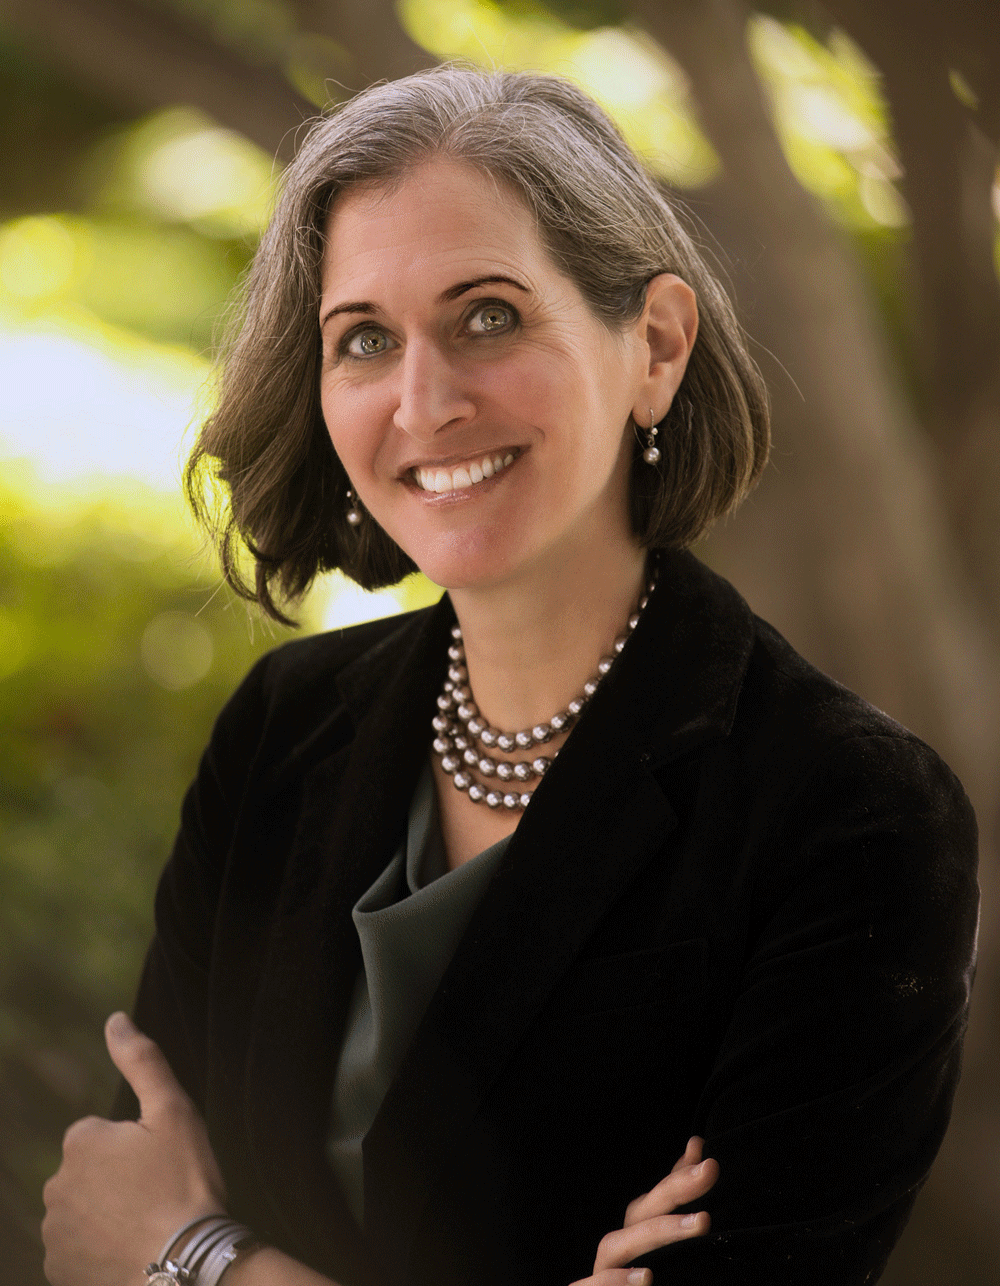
[351, 815]
[597, 818]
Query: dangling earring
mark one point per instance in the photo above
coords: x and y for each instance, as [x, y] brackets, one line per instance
[353, 512]
[652, 452]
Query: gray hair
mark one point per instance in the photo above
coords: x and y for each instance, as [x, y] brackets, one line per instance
[607, 226]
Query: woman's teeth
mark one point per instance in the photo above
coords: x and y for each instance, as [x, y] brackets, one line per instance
[464, 475]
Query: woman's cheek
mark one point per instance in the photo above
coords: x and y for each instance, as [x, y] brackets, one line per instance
[346, 421]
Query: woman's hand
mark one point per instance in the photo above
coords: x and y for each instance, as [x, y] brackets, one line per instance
[650, 1223]
[125, 1186]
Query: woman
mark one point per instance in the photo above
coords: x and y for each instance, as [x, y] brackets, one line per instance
[446, 1035]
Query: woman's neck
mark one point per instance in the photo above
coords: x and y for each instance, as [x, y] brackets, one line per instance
[531, 644]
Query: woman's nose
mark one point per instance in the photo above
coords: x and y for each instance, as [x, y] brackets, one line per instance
[431, 396]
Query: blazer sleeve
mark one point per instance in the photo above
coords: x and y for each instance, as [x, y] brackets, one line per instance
[171, 1001]
[833, 1084]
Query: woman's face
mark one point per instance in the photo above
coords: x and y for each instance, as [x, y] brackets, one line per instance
[479, 407]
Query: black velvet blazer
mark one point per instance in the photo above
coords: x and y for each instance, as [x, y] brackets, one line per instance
[742, 904]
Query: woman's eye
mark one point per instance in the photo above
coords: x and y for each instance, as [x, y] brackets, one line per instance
[366, 343]
[491, 318]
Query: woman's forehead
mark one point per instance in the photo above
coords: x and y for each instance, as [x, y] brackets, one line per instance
[433, 186]
[436, 171]
[442, 217]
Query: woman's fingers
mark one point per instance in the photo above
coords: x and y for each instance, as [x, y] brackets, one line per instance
[691, 1156]
[619, 1248]
[690, 1179]
[677, 1189]
[650, 1221]
[143, 1065]
[165, 1108]
[618, 1277]
[692, 1153]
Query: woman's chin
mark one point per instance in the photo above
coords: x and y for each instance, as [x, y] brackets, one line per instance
[466, 561]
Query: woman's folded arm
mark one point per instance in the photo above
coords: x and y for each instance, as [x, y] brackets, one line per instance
[833, 1084]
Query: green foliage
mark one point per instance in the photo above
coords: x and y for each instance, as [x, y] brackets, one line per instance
[116, 652]
[164, 283]
[833, 121]
[174, 210]
[584, 15]
[118, 647]
[631, 76]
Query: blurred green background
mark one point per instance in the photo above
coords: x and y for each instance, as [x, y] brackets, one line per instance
[839, 163]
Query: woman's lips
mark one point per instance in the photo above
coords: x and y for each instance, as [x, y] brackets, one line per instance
[468, 474]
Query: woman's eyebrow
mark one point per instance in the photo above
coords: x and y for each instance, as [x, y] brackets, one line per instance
[359, 306]
[368, 309]
[453, 292]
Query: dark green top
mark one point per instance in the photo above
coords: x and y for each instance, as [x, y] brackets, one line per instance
[409, 923]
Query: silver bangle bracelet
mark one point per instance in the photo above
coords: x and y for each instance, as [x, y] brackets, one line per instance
[205, 1257]
[201, 1243]
[160, 1263]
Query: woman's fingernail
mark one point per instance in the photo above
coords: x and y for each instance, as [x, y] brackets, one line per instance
[697, 1169]
[639, 1277]
[689, 1221]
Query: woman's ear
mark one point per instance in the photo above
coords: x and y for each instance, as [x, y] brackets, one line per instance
[667, 330]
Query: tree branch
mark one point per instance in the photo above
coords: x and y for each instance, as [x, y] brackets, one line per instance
[148, 59]
[378, 45]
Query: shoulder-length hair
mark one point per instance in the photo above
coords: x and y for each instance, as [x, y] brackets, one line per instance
[606, 225]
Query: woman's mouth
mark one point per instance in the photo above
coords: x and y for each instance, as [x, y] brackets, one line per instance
[468, 474]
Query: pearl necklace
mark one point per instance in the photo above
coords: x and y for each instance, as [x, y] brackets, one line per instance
[459, 728]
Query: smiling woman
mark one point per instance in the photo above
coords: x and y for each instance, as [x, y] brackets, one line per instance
[481, 916]
[554, 181]
[476, 350]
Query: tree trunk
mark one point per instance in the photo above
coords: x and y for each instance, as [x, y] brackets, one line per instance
[846, 546]
[949, 156]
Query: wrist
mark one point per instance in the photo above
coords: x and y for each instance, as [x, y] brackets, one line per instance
[250, 1266]
[267, 1266]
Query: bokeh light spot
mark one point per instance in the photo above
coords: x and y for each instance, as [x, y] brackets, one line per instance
[202, 173]
[176, 650]
[38, 257]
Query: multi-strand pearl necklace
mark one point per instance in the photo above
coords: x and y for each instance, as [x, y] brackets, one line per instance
[463, 739]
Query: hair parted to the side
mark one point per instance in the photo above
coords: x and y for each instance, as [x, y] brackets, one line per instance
[264, 475]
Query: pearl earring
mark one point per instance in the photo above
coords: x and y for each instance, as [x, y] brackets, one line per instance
[652, 452]
[353, 512]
